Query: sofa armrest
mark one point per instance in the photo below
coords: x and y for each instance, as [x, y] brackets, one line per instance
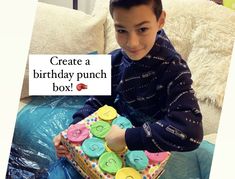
[211, 138]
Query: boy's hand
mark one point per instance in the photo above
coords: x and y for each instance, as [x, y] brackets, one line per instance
[61, 150]
[116, 138]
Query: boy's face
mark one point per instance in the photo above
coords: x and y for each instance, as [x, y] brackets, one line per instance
[136, 29]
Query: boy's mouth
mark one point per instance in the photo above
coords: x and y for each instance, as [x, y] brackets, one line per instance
[134, 51]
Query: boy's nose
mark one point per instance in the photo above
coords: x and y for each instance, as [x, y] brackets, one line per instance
[132, 41]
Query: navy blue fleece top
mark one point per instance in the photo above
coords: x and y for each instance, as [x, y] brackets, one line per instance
[155, 94]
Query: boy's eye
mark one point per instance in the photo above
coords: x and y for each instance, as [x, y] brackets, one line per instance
[143, 29]
[120, 31]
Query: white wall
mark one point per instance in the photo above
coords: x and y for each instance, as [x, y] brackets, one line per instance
[64, 3]
[86, 5]
[83, 5]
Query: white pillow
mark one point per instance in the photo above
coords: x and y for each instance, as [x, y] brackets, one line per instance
[211, 42]
[179, 25]
[66, 31]
[59, 30]
[109, 34]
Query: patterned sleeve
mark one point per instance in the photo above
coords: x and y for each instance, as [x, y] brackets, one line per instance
[181, 128]
[95, 102]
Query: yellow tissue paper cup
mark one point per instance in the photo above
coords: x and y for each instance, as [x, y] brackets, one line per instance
[127, 172]
[107, 113]
[229, 4]
[109, 150]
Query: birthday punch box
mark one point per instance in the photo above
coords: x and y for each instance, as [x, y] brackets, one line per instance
[93, 159]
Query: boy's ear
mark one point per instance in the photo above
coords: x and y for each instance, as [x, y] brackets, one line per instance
[161, 20]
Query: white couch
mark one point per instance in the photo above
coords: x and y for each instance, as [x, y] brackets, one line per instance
[202, 31]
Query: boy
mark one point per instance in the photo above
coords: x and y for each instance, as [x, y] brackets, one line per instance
[151, 85]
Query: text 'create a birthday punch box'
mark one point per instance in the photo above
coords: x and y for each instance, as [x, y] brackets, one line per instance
[92, 157]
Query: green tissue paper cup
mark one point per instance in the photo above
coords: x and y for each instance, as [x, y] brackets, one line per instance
[136, 159]
[93, 147]
[122, 122]
[110, 162]
[100, 129]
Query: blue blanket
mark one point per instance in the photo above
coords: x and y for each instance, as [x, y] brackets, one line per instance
[44, 117]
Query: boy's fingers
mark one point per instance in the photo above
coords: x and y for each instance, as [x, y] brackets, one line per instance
[57, 140]
[62, 152]
[69, 156]
[62, 148]
[60, 155]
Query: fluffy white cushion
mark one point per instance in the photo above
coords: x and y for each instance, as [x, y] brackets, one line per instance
[67, 31]
[211, 54]
[59, 30]
[109, 34]
[207, 33]
[211, 117]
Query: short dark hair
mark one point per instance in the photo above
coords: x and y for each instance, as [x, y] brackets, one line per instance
[127, 4]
